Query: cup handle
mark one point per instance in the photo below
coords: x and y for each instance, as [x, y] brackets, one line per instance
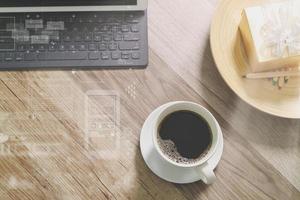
[207, 173]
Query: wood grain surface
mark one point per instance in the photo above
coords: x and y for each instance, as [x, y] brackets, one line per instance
[47, 150]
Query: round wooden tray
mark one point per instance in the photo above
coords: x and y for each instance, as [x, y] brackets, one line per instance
[228, 52]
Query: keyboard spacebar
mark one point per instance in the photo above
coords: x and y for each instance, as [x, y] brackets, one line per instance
[63, 56]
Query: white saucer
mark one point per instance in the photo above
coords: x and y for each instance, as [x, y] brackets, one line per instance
[164, 169]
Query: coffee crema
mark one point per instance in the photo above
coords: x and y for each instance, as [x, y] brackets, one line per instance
[184, 136]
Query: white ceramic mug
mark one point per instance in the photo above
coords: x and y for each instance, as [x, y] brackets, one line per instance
[203, 166]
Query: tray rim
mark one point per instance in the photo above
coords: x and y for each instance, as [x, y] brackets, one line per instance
[249, 101]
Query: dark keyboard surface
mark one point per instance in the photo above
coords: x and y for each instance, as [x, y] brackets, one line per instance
[84, 39]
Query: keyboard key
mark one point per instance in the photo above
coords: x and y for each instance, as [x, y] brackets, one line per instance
[93, 47]
[30, 56]
[88, 38]
[85, 29]
[91, 20]
[131, 37]
[42, 47]
[67, 38]
[95, 55]
[34, 24]
[107, 37]
[102, 47]
[19, 56]
[74, 55]
[21, 47]
[71, 18]
[104, 56]
[129, 46]
[97, 37]
[112, 20]
[9, 57]
[96, 28]
[134, 28]
[79, 20]
[100, 20]
[78, 38]
[72, 47]
[125, 55]
[82, 47]
[115, 28]
[32, 48]
[132, 19]
[125, 28]
[52, 47]
[55, 38]
[37, 16]
[62, 47]
[118, 37]
[113, 46]
[1, 56]
[115, 55]
[135, 55]
[104, 28]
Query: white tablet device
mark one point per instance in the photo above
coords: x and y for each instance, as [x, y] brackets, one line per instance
[10, 6]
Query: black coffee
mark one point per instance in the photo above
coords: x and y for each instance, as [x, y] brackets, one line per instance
[184, 136]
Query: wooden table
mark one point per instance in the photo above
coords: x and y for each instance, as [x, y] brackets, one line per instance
[48, 149]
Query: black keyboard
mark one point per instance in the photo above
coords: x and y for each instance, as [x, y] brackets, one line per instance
[83, 39]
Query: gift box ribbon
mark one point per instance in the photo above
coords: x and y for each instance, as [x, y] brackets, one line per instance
[281, 30]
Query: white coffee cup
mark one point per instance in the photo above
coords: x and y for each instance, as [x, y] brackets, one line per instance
[203, 166]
